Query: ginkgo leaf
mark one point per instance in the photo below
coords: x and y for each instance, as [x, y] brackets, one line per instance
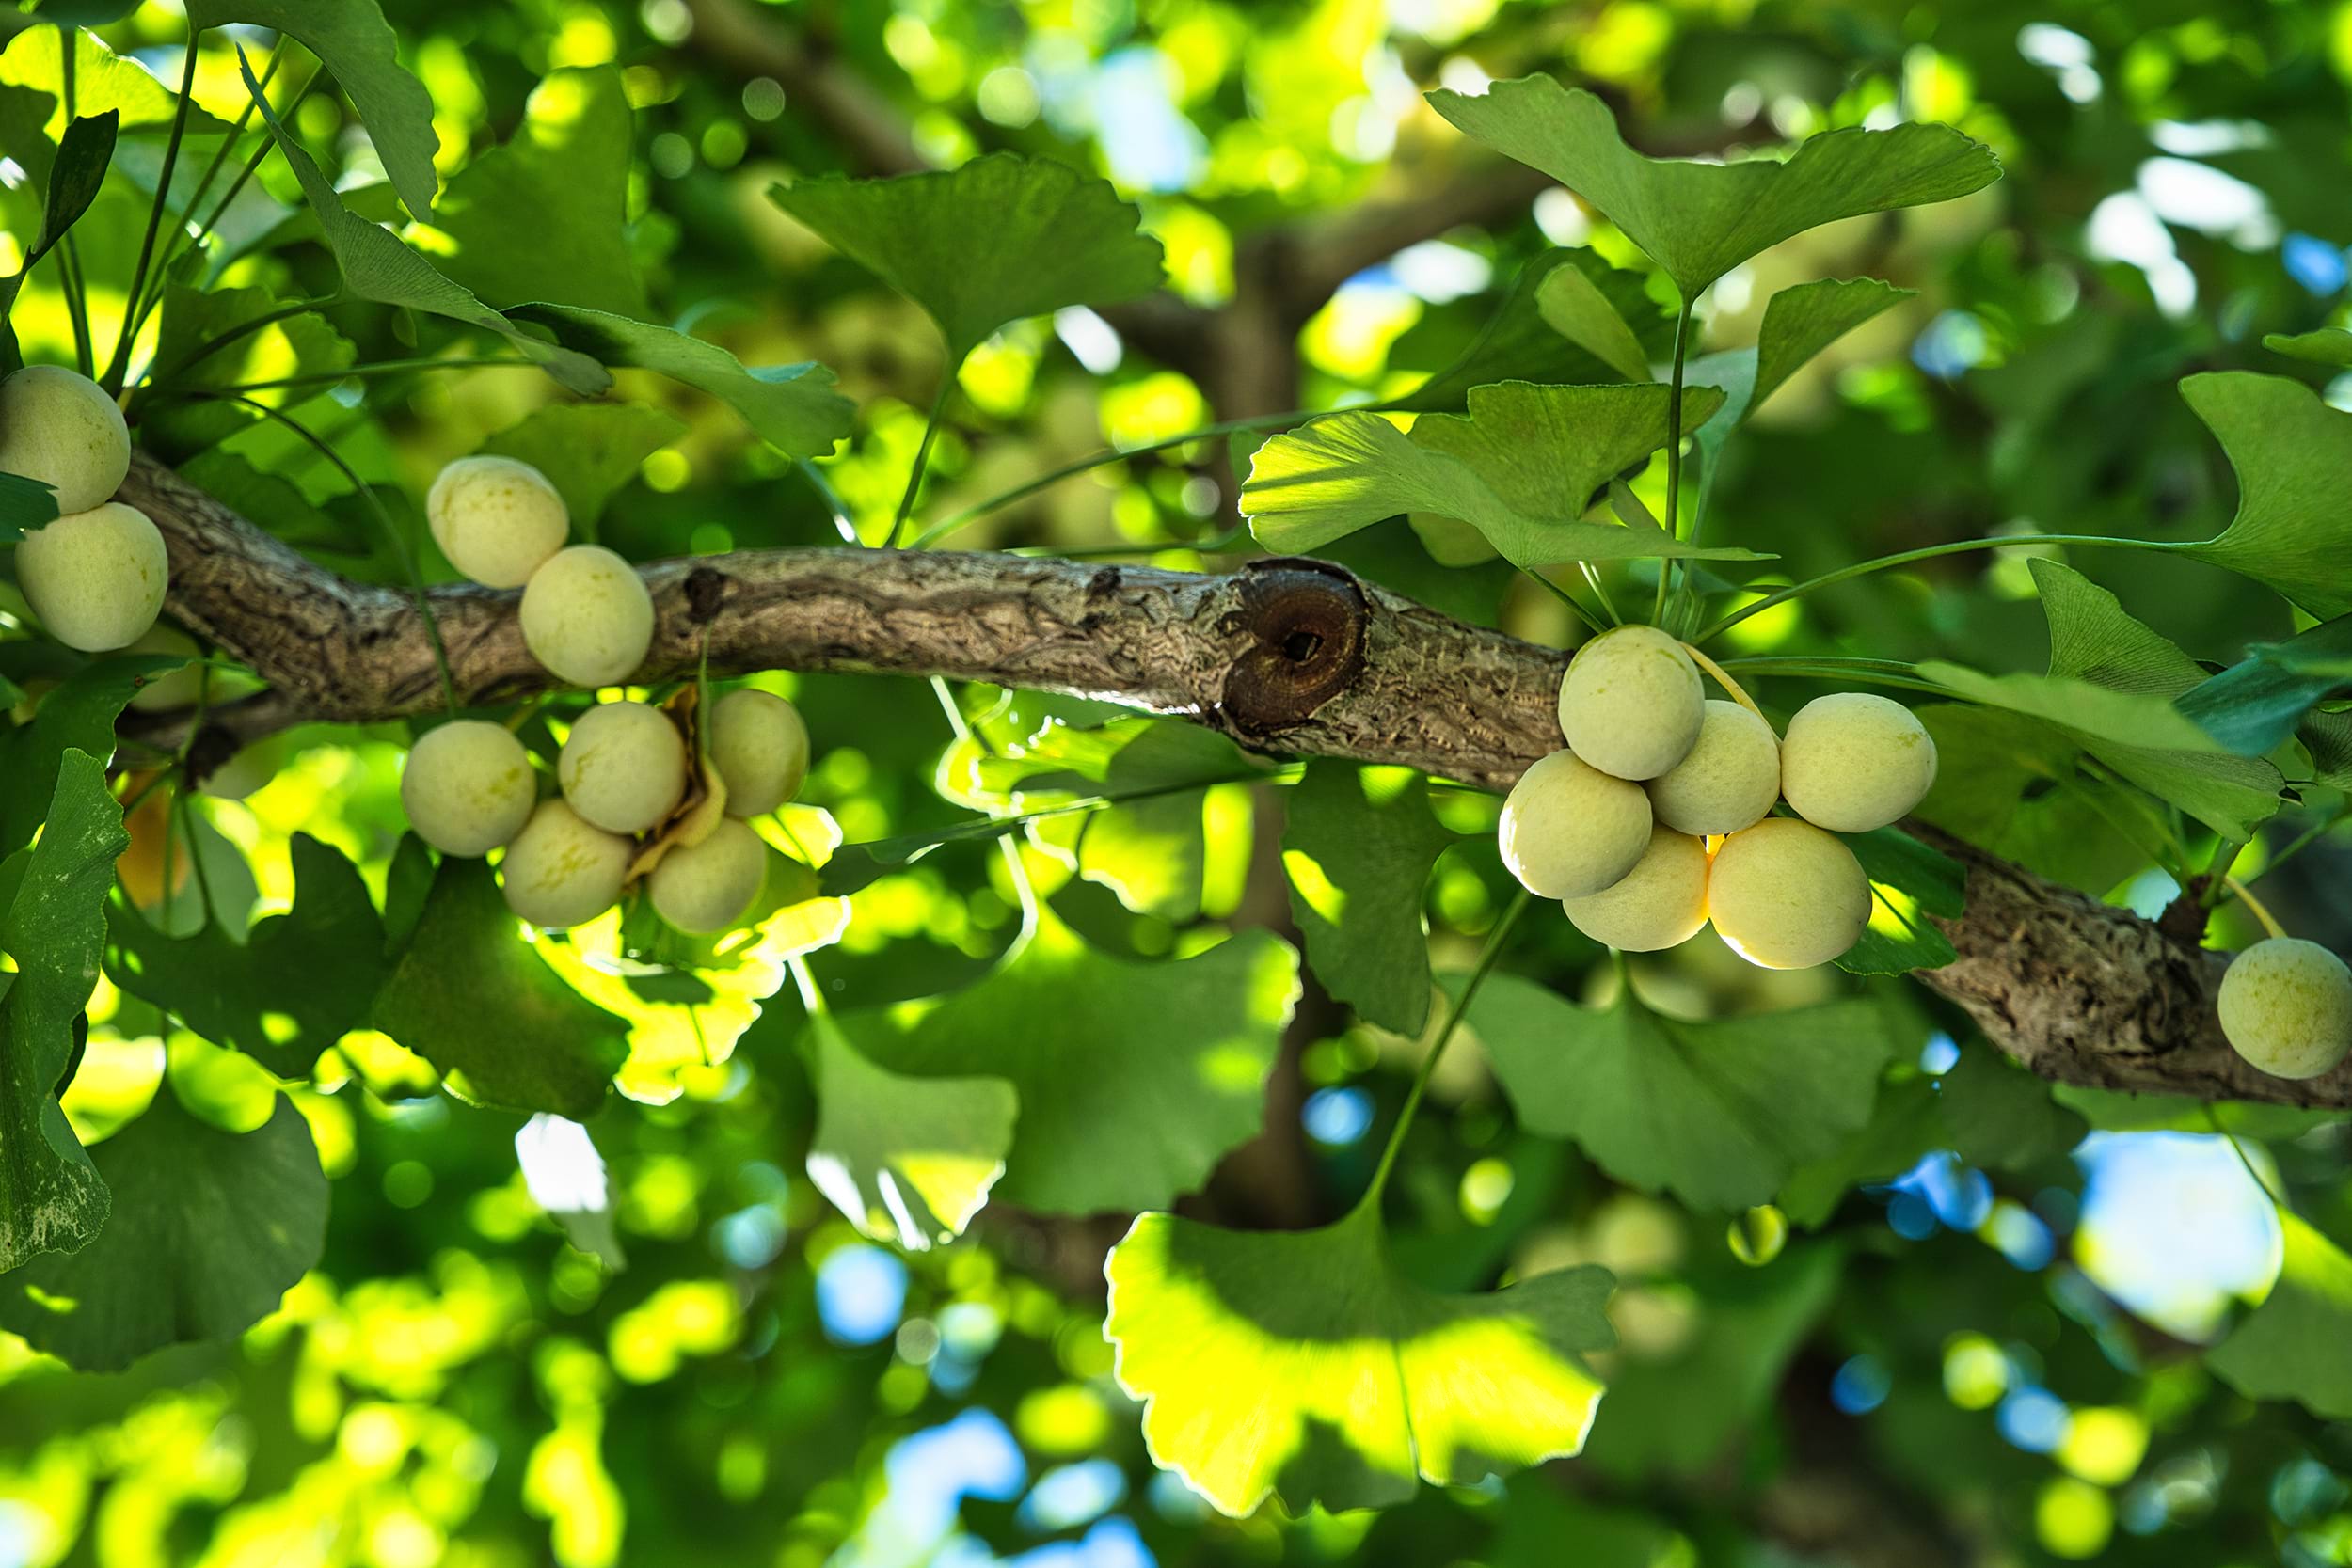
[52, 929]
[78, 715]
[1520, 467]
[1910, 882]
[1699, 220]
[209, 1229]
[1135, 1078]
[1573, 306]
[1718, 1112]
[2011, 785]
[25, 504]
[1304, 1366]
[1055, 238]
[74, 177]
[1518, 343]
[2255, 706]
[2326, 345]
[1358, 844]
[907, 1160]
[2298, 1344]
[2290, 451]
[588, 451]
[1800, 321]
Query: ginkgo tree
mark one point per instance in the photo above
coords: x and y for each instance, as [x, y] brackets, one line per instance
[594, 910]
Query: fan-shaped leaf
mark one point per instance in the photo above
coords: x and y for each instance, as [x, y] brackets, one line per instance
[909, 1160]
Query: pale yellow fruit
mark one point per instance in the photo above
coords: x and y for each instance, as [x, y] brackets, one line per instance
[247, 770]
[761, 747]
[63, 429]
[468, 787]
[174, 688]
[1728, 781]
[497, 519]
[2286, 1008]
[1631, 702]
[622, 766]
[704, 888]
[96, 578]
[562, 870]
[1852, 762]
[587, 617]
[1660, 903]
[1568, 829]
[1785, 895]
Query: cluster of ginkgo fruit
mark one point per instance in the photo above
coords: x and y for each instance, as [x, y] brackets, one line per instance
[97, 574]
[635, 796]
[1657, 816]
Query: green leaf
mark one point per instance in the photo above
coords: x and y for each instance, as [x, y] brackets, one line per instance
[791, 408]
[104, 82]
[192, 322]
[1519, 344]
[353, 39]
[295, 984]
[1055, 238]
[209, 1230]
[1992, 779]
[1358, 845]
[1800, 323]
[908, 1160]
[78, 171]
[78, 716]
[1909, 883]
[376, 266]
[2327, 736]
[25, 504]
[1135, 1078]
[2254, 707]
[470, 996]
[2298, 1344]
[588, 451]
[2289, 450]
[1717, 1112]
[2001, 1117]
[51, 1198]
[1150, 846]
[2092, 638]
[1520, 467]
[1699, 220]
[2327, 345]
[558, 188]
[1573, 306]
[1304, 1366]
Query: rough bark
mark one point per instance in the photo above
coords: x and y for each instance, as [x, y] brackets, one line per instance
[1291, 657]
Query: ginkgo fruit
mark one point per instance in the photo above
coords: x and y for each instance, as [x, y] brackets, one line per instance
[63, 429]
[1852, 762]
[173, 688]
[1631, 704]
[496, 518]
[467, 786]
[2286, 1008]
[96, 578]
[1568, 829]
[1785, 895]
[563, 870]
[705, 888]
[622, 766]
[1729, 779]
[761, 747]
[587, 616]
[1660, 903]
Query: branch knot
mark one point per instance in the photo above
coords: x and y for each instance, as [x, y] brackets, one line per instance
[1304, 625]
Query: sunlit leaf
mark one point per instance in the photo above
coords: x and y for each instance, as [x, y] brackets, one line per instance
[51, 1198]
[1150, 846]
[2326, 345]
[83, 154]
[1519, 344]
[2289, 450]
[1573, 306]
[1718, 1111]
[1358, 845]
[77, 715]
[908, 1160]
[1909, 883]
[588, 451]
[1699, 220]
[25, 504]
[1304, 1366]
[1055, 238]
[104, 83]
[2298, 1344]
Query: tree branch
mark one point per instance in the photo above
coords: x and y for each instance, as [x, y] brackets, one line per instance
[1292, 656]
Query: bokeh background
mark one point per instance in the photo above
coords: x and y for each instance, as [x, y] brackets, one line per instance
[1967, 1363]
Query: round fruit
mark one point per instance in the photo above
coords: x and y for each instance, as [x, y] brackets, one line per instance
[587, 616]
[498, 520]
[704, 888]
[561, 870]
[247, 770]
[1787, 896]
[2286, 1007]
[761, 747]
[468, 787]
[622, 766]
[1854, 762]
[63, 429]
[1631, 702]
[1660, 903]
[1568, 829]
[96, 578]
[1728, 781]
[173, 688]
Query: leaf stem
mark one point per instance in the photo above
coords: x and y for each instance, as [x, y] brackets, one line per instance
[142, 308]
[1487, 959]
[121, 359]
[923, 453]
[2254, 906]
[261, 323]
[1586, 617]
[1926, 552]
[1739, 692]
[362, 373]
[1870, 672]
[2277, 1202]
[1673, 455]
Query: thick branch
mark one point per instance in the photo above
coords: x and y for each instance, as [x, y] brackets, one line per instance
[1291, 657]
